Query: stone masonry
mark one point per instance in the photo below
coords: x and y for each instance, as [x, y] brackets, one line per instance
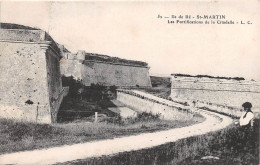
[30, 83]
[105, 70]
[217, 91]
[31, 65]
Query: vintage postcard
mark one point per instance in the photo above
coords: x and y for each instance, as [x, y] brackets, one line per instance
[129, 82]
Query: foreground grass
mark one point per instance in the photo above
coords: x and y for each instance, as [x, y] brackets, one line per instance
[15, 136]
[229, 145]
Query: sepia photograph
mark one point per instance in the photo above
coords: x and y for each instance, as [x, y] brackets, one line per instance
[130, 82]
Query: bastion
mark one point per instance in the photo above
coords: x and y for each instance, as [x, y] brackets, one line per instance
[224, 91]
[104, 70]
[30, 83]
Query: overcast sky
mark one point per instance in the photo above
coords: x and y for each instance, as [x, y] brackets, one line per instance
[132, 30]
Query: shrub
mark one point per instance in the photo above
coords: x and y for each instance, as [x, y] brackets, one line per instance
[113, 88]
[141, 117]
[145, 116]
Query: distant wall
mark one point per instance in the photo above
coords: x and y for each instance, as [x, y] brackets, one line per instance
[70, 67]
[24, 91]
[107, 74]
[143, 104]
[118, 75]
[224, 92]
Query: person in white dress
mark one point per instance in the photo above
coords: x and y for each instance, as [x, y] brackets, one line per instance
[245, 130]
[246, 119]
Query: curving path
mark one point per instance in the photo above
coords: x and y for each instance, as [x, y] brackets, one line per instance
[66, 153]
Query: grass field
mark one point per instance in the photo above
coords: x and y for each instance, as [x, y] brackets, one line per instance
[15, 136]
[227, 146]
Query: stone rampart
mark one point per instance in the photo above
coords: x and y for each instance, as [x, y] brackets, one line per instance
[22, 35]
[145, 104]
[71, 67]
[107, 73]
[31, 88]
[231, 93]
[23, 82]
[55, 89]
[114, 74]
[29, 36]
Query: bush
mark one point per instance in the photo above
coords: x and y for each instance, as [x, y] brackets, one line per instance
[94, 92]
[141, 117]
[74, 86]
[145, 116]
[113, 88]
[115, 120]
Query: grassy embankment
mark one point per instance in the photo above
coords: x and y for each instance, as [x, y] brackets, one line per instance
[227, 146]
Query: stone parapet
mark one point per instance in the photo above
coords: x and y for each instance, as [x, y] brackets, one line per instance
[115, 63]
[22, 35]
[168, 110]
[28, 36]
[149, 103]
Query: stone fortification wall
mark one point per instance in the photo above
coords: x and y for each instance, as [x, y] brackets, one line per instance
[24, 94]
[22, 35]
[112, 74]
[31, 88]
[106, 73]
[220, 92]
[71, 67]
[145, 104]
[54, 82]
